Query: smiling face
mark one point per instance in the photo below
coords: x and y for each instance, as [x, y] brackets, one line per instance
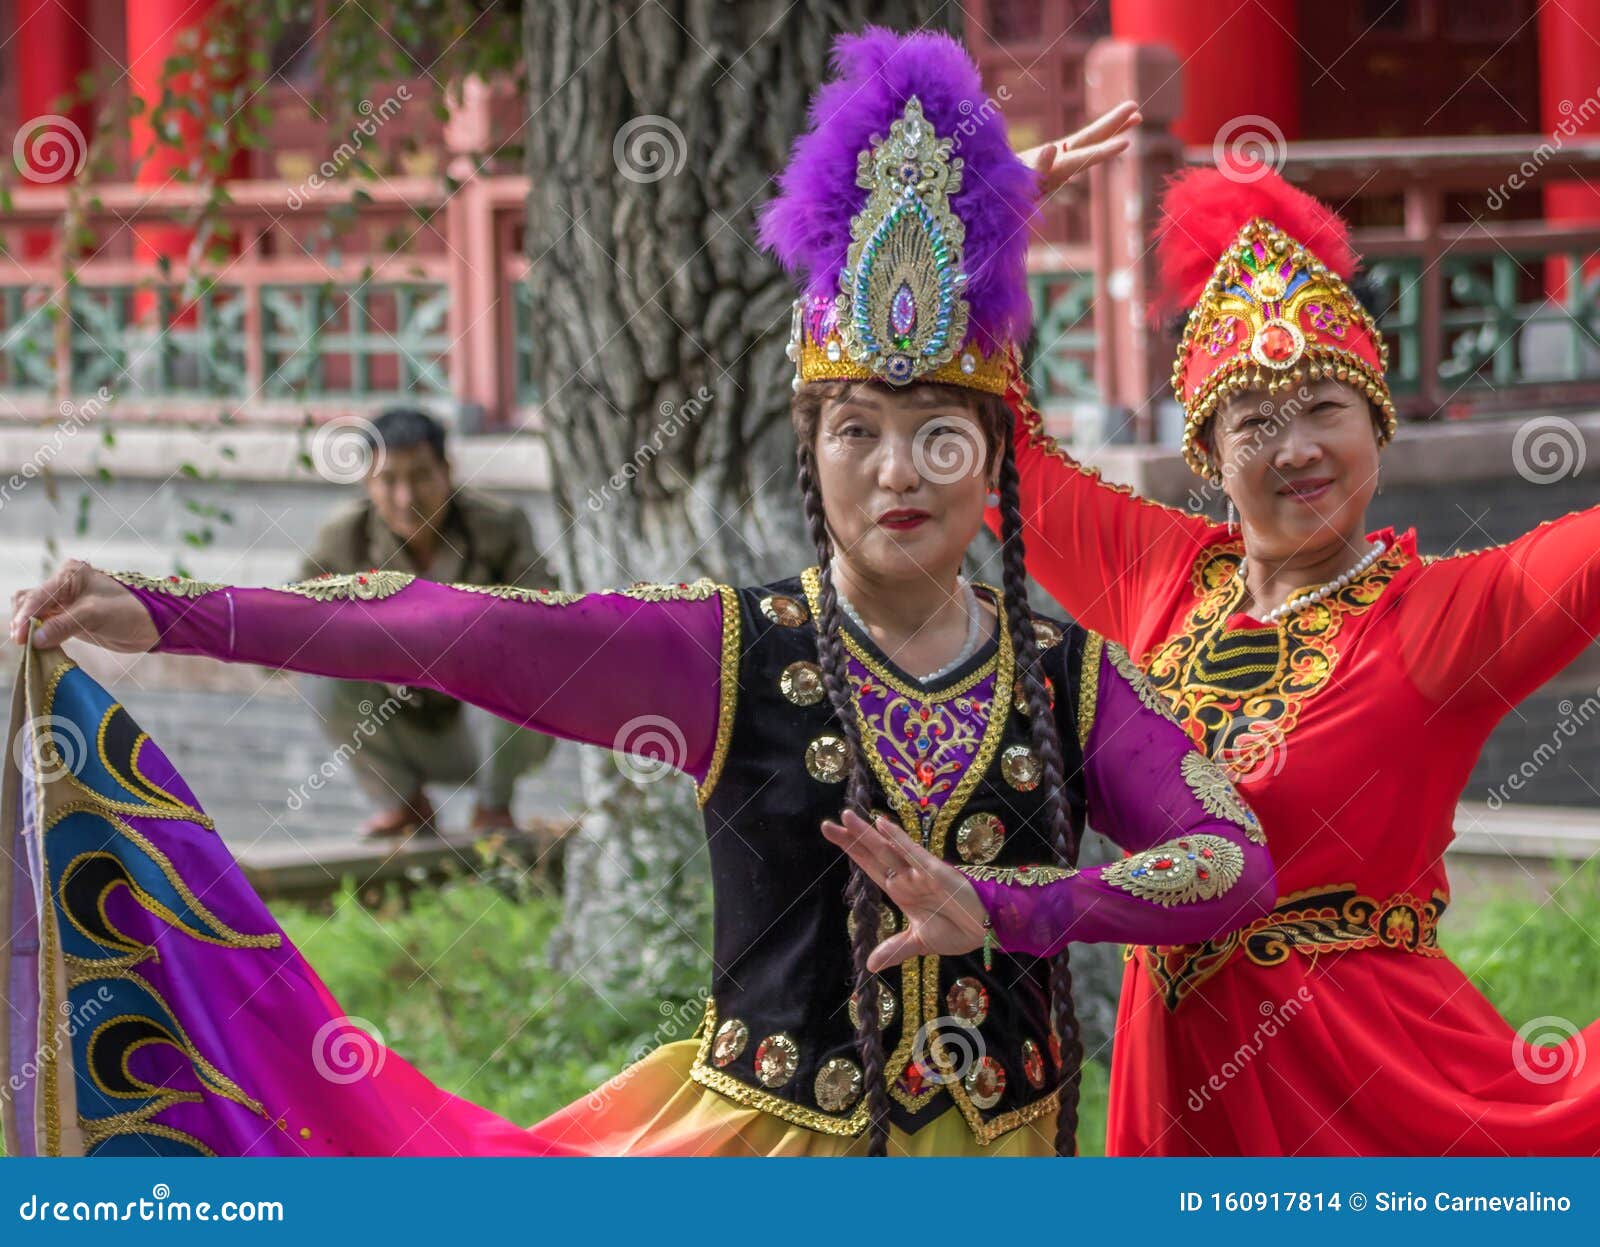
[1301, 465]
[904, 474]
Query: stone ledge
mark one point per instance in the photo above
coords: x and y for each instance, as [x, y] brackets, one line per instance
[317, 869]
[1546, 833]
[494, 461]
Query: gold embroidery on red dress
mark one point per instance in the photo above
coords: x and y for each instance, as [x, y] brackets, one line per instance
[1208, 674]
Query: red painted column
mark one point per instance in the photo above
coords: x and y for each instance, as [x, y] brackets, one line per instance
[1569, 108]
[51, 52]
[1239, 62]
[158, 30]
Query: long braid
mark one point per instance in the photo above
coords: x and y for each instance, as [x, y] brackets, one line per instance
[1046, 742]
[862, 894]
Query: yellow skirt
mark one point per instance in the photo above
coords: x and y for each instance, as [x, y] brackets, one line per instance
[654, 1108]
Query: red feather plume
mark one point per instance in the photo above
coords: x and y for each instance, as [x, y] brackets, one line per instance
[1203, 210]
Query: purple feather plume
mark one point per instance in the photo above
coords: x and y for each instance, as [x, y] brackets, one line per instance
[807, 226]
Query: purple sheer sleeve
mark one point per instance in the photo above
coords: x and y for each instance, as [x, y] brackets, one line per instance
[611, 669]
[1199, 865]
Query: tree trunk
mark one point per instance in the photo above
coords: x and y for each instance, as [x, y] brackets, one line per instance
[653, 133]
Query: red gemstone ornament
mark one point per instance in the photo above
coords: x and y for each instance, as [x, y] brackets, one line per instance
[1277, 342]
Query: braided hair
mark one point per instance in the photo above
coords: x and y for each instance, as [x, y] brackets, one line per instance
[861, 894]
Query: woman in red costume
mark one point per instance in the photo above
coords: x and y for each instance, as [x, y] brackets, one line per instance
[1347, 681]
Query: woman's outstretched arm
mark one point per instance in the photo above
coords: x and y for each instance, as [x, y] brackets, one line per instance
[639, 670]
[1486, 629]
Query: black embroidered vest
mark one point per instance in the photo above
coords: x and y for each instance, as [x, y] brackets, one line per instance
[778, 1033]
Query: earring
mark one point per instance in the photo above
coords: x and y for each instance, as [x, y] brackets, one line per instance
[992, 499]
[1230, 517]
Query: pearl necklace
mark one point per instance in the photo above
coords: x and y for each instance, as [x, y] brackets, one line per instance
[1374, 551]
[968, 647]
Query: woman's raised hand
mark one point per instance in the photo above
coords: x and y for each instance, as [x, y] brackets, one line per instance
[1058, 162]
[79, 601]
[942, 909]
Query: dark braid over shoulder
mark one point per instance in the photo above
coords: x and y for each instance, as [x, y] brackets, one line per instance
[862, 894]
[1046, 744]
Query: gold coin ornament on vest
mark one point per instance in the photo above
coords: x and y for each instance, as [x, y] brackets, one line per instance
[827, 759]
[967, 1001]
[784, 610]
[985, 1082]
[1032, 1064]
[888, 924]
[838, 1084]
[888, 1003]
[777, 1059]
[980, 837]
[1022, 768]
[729, 1041]
[801, 683]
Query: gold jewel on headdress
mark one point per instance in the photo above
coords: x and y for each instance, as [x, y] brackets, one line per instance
[901, 314]
[1273, 316]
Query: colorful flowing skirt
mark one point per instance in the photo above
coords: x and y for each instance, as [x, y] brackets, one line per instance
[150, 1004]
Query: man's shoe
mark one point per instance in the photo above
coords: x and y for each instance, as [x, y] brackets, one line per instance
[492, 818]
[402, 821]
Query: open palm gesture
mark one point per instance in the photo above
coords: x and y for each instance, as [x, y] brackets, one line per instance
[942, 909]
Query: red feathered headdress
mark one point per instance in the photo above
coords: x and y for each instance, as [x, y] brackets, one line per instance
[1261, 266]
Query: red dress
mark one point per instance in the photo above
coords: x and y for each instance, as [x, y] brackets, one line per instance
[1334, 1026]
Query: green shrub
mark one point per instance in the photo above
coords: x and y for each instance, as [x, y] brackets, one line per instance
[1536, 960]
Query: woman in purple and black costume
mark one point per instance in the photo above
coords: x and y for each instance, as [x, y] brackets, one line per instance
[879, 681]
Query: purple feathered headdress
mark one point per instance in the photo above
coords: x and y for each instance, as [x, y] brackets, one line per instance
[904, 215]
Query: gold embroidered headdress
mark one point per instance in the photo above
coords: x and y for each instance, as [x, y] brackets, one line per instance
[904, 212]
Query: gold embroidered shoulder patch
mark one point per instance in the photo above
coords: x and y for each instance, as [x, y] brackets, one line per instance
[1179, 872]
